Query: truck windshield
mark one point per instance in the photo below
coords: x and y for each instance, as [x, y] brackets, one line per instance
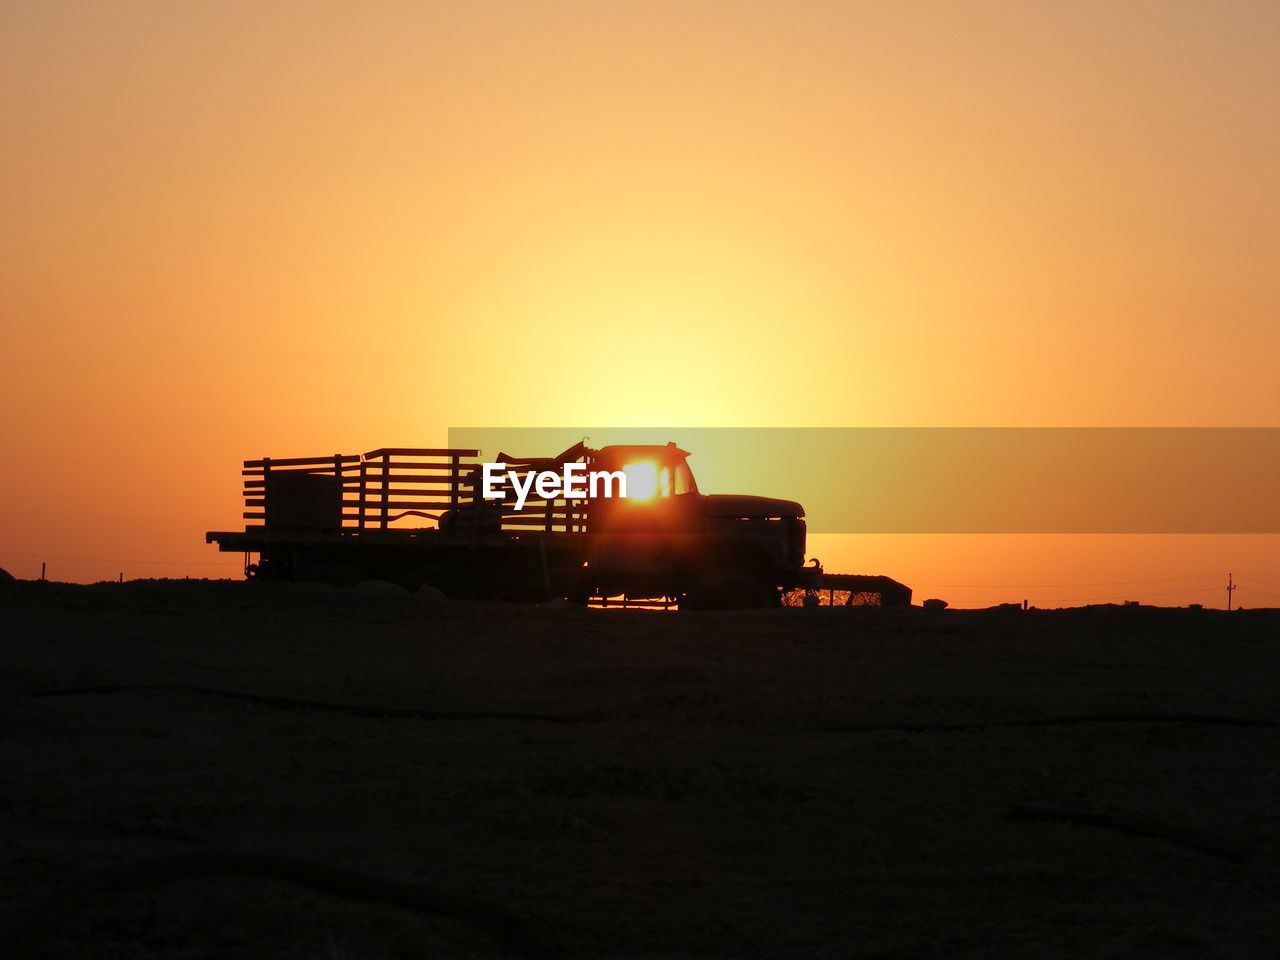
[643, 481]
[646, 479]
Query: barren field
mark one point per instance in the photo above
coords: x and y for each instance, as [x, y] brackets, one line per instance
[278, 771]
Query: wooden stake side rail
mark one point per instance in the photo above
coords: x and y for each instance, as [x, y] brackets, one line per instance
[390, 484]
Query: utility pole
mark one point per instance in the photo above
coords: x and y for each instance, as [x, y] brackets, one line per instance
[1230, 587]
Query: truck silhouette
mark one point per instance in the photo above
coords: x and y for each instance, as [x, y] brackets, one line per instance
[347, 519]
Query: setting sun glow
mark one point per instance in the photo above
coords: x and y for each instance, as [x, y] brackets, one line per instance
[279, 229]
[642, 480]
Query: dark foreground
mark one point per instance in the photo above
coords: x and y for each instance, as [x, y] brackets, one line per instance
[783, 784]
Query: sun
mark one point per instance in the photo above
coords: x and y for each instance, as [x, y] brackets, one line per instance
[642, 480]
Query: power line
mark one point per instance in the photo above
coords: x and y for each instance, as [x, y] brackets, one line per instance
[1259, 580]
[1165, 593]
[1119, 596]
[1254, 591]
[1042, 586]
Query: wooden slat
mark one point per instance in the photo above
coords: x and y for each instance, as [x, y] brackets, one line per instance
[377, 476]
[523, 524]
[302, 461]
[374, 483]
[348, 472]
[349, 508]
[419, 452]
[442, 464]
[535, 527]
[259, 515]
[349, 483]
[537, 510]
[380, 506]
[375, 502]
[542, 521]
[374, 495]
[428, 468]
[360, 517]
[538, 506]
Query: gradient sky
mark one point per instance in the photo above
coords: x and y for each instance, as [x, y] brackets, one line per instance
[234, 229]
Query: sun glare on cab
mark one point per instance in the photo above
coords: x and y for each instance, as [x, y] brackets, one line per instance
[642, 480]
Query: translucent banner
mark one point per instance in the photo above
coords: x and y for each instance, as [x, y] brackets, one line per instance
[966, 479]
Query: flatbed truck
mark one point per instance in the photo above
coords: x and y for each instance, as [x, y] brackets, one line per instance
[346, 519]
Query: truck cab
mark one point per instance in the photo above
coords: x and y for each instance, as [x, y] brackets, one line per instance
[666, 538]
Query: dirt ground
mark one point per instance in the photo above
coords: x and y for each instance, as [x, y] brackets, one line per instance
[778, 784]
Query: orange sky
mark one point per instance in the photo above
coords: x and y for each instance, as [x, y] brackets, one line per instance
[235, 229]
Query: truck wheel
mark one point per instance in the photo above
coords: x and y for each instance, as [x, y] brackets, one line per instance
[730, 589]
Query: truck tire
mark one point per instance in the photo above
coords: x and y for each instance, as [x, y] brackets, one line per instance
[728, 588]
